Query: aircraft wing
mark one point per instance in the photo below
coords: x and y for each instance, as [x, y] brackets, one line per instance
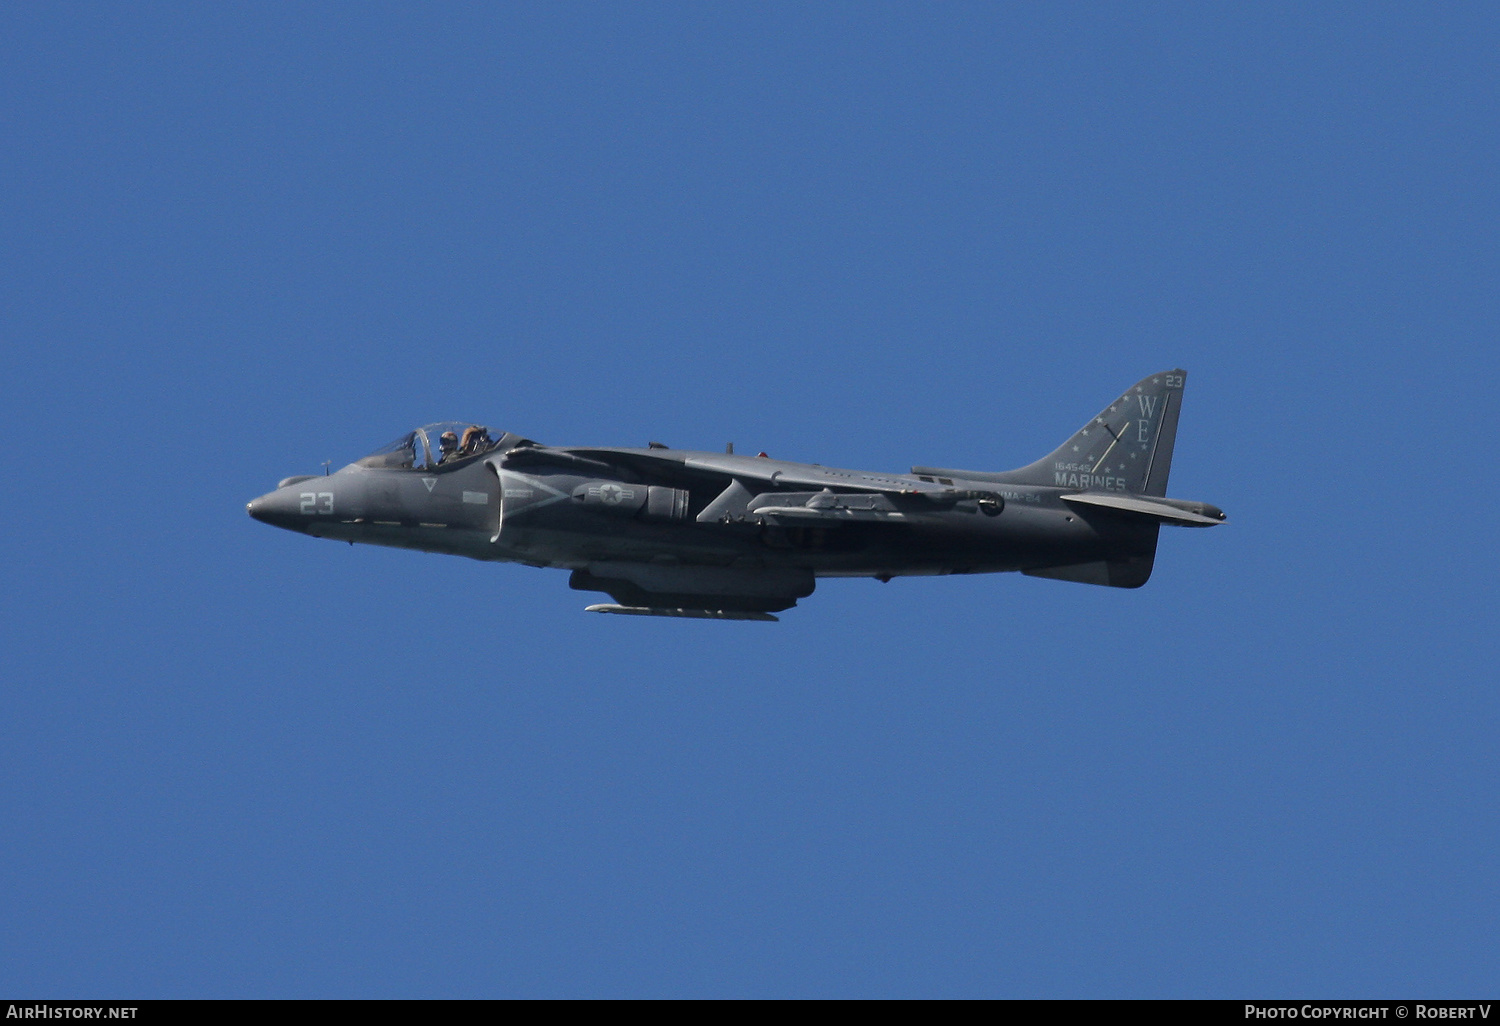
[779, 473]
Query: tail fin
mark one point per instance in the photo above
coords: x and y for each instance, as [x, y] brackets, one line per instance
[1126, 448]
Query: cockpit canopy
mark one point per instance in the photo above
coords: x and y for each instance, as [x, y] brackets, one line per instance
[432, 445]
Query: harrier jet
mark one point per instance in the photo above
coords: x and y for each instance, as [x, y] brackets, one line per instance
[670, 532]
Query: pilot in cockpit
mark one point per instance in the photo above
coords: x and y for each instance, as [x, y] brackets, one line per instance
[475, 439]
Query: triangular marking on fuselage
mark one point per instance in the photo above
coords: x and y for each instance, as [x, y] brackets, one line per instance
[429, 482]
[507, 477]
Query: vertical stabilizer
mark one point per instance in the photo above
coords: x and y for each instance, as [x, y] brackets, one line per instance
[1126, 448]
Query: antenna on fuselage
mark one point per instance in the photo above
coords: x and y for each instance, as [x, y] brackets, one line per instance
[325, 467]
[729, 448]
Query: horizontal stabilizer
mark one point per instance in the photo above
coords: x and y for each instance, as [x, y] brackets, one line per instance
[1167, 511]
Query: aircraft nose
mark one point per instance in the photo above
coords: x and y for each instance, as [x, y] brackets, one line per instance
[279, 508]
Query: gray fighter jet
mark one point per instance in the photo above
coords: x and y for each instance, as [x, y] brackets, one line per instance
[668, 532]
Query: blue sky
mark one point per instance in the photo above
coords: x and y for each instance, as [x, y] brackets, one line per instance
[242, 239]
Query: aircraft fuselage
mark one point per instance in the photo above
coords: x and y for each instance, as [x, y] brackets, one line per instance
[679, 532]
[551, 516]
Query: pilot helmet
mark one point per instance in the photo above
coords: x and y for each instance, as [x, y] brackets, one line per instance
[448, 441]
